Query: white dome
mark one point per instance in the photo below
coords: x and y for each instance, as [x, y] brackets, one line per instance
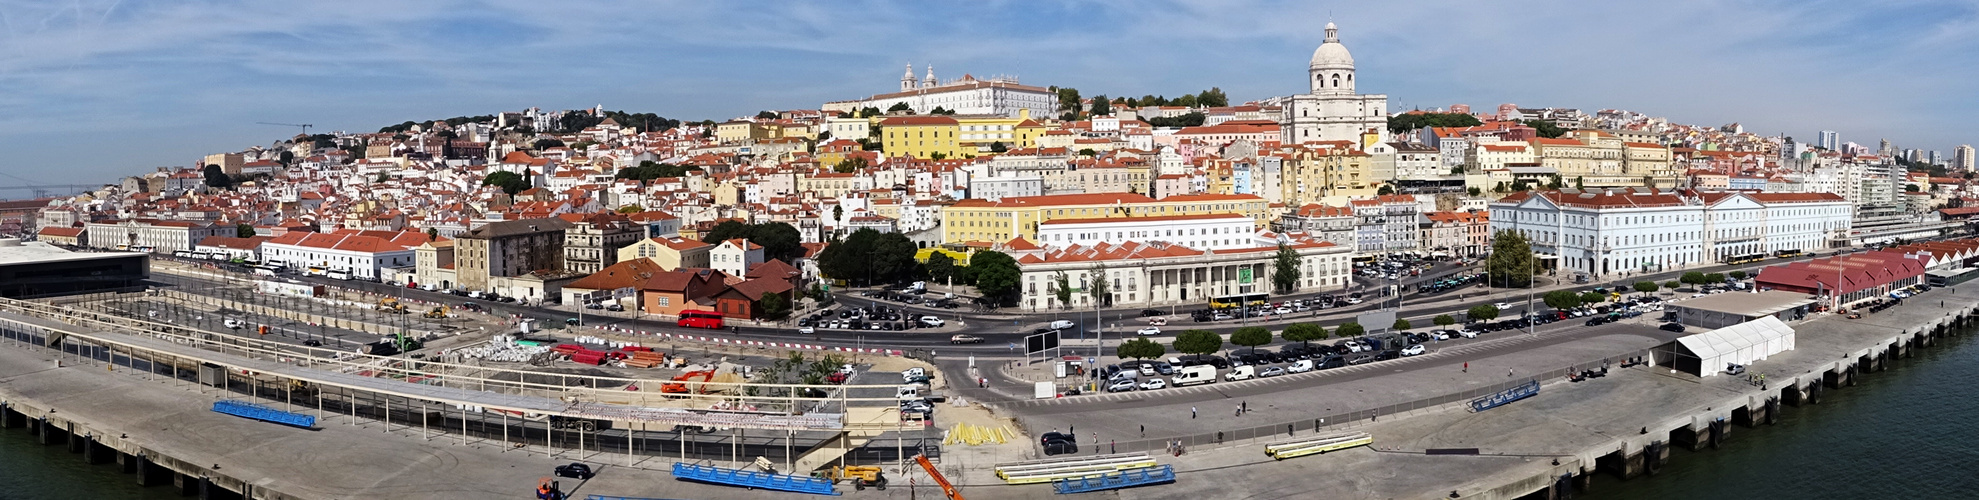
[1332, 54]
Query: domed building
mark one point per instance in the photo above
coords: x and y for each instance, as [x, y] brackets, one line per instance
[1332, 111]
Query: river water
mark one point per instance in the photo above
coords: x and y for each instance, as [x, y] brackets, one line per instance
[1907, 432]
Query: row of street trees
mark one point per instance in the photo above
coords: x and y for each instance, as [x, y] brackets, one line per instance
[1202, 342]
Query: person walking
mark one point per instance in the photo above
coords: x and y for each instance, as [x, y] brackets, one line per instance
[1144, 430]
[1508, 373]
[1192, 412]
[1467, 367]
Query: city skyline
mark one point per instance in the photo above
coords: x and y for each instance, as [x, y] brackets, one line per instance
[180, 81]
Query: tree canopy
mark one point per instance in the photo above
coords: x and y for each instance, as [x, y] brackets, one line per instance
[1545, 128]
[1139, 348]
[1406, 122]
[1303, 333]
[1285, 273]
[649, 170]
[1349, 330]
[869, 256]
[216, 178]
[1190, 119]
[1562, 299]
[1198, 342]
[1251, 336]
[995, 275]
[510, 182]
[780, 241]
[1485, 312]
[1510, 265]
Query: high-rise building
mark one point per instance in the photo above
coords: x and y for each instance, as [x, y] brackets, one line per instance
[1936, 158]
[1962, 157]
[1830, 140]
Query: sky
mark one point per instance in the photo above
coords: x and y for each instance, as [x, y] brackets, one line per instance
[91, 90]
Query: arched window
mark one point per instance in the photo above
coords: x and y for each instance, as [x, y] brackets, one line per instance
[1336, 81]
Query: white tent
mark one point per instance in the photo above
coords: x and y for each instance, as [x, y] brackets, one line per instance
[1708, 353]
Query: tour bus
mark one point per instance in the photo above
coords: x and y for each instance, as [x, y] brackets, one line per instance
[267, 270]
[700, 319]
[182, 254]
[316, 271]
[338, 274]
[1786, 254]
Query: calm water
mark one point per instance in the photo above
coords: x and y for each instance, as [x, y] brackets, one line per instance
[1908, 432]
[29, 470]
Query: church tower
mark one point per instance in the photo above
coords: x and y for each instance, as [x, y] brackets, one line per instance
[907, 80]
[930, 81]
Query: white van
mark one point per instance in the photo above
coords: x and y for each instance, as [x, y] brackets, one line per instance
[1300, 366]
[1063, 324]
[1199, 374]
[1241, 373]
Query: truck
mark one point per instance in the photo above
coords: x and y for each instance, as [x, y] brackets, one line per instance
[1190, 375]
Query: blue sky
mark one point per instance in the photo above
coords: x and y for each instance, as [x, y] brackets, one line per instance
[91, 90]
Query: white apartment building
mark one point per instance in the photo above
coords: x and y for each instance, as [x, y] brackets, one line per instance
[156, 236]
[360, 253]
[1613, 232]
[735, 257]
[1001, 96]
[1205, 232]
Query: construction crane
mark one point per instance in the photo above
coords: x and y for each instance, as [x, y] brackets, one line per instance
[305, 126]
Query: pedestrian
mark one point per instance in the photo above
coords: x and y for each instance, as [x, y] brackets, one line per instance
[1508, 373]
[1074, 430]
[1219, 436]
[1112, 446]
[1467, 367]
[1192, 412]
[1144, 430]
[1240, 412]
[1243, 406]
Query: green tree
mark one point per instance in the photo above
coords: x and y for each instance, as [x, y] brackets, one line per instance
[1401, 324]
[868, 256]
[900, 107]
[542, 144]
[1545, 128]
[1198, 342]
[1190, 119]
[1068, 100]
[1406, 122]
[1062, 288]
[1349, 330]
[433, 234]
[1500, 188]
[1510, 264]
[1580, 182]
[1212, 98]
[1671, 285]
[631, 209]
[1485, 312]
[1593, 298]
[941, 267]
[869, 112]
[998, 147]
[384, 177]
[510, 182]
[216, 178]
[1444, 320]
[1562, 299]
[995, 275]
[1186, 101]
[1100, 106]
[1139, 348]
[766, 115]
[1692, 278]
[1088, 152]
[1251, 336]
[1285, 273]
[772, 306]
[1738, 275]
[244, 230]
[1099, 289]
[1385, 190]
[1554, 183]
[1645, 286]
[938, 111]
[1474, 191]
[1303, 333]
[1713, 278]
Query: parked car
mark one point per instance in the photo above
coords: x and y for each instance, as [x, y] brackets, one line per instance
[1672, 327]
[1122, 385]
[1154, 383]
[1467, 332]
[575, 470]
[931, 321]
[1151, 313]
[1150, 331]
[1271, 372]
[1413, 350]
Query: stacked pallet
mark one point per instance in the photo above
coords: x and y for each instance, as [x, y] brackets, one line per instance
[644, 358]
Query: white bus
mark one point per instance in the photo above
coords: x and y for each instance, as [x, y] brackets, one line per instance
[338, 274]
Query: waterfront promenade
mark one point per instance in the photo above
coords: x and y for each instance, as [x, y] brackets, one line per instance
[1587, 427]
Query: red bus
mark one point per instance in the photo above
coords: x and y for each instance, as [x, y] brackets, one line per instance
[700, 319]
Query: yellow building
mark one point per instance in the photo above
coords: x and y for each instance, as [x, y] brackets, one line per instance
[1019, 217]
[1327, 172]
[743, 130]
[956, 136]
[1601, 159]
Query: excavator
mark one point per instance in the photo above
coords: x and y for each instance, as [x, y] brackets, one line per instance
[391, 305]
[439, 312]
[679, 387]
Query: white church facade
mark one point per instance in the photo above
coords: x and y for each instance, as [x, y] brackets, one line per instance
[998, 96]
